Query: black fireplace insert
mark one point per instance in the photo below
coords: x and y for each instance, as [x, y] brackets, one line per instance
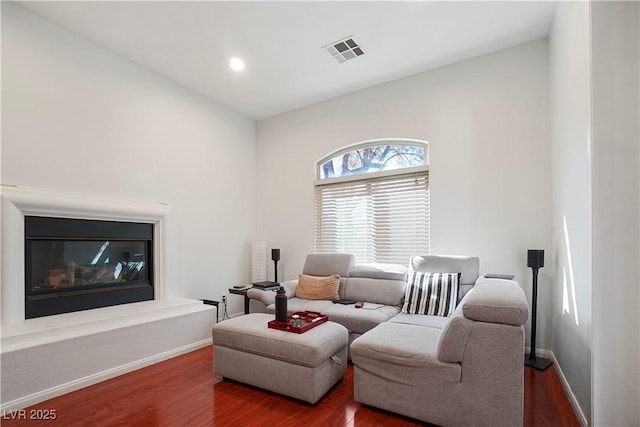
[79, 264]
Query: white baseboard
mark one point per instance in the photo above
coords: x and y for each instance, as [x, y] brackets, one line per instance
[61, 389]
[567, 388]
[548, 354]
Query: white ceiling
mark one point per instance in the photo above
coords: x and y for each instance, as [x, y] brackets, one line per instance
[191, 42]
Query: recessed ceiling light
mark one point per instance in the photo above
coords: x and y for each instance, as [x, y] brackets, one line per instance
[236, 64]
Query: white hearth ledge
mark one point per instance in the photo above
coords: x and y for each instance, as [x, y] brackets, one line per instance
[41, 361]
[60, 327]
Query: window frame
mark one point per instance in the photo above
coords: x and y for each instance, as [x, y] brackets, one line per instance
[372, 143]
[368, 177]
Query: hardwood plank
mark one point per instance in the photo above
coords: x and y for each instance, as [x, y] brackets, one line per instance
[545, 401]
[184, 391]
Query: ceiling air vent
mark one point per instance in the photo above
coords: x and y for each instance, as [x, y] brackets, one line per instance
[344, 49]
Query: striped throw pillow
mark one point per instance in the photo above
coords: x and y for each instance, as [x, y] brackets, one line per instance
[314, 287]
[435, 294]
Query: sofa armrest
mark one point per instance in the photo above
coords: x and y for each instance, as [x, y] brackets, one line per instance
[494, 277]
[290, 287]
[496, 301]
[269, 297]
[265, 297]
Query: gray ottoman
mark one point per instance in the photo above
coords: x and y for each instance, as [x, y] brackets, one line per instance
[303, 366]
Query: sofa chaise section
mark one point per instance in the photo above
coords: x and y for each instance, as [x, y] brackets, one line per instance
[467, 370]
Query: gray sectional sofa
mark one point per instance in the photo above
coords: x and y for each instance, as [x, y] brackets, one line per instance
[466, 369]
[380, 285]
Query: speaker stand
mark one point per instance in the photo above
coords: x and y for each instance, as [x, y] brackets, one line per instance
[539, 364]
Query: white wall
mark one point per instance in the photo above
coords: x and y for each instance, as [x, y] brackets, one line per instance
[77, 118]
[487, 123]
[616, 209]
[569, 52]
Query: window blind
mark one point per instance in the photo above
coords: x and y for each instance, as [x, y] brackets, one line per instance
[382, 219]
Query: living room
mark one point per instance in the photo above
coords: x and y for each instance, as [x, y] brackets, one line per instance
[523, 153]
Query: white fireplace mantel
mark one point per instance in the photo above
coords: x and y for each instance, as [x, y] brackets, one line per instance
[51, 203]
[18, 202]
[65, 352]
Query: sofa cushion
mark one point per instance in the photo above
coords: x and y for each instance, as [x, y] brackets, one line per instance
[328, 264]
[359, 320]
[469, 266]
[380, 271]
[402, 353]
[298, 304]
[378, 291]
[496, 301]
[312, 287]
[437, 322]
[431, 293]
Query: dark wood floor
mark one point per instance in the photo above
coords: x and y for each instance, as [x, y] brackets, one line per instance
[184, 391]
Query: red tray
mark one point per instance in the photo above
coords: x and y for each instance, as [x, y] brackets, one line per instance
[310, 319]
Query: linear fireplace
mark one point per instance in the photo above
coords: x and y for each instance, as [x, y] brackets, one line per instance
[79, 264]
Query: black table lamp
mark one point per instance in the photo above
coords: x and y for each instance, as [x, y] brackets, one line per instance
[535, 260]
[275, 256]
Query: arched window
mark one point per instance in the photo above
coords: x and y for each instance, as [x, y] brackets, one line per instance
[372, 200]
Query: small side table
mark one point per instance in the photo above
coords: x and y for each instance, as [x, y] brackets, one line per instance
[213, 303]
[242, 292]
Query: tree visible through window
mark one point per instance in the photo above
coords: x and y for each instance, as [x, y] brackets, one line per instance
[372, 200]
[373, 159]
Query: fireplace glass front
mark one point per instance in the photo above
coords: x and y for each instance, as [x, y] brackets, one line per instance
[77, 264]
